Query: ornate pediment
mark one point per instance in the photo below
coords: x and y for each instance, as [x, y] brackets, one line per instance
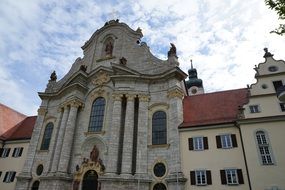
[101, 78]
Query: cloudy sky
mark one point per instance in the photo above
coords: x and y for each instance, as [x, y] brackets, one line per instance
[225, 39]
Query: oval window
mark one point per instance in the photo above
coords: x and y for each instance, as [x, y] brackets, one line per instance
[159, 169]
[40, 169]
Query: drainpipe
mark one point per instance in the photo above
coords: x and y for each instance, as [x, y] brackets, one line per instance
[244, 157]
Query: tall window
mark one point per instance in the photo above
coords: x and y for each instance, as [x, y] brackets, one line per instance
[97, 115]
[159, 128]
[36, 185]
[4, 152]
[264, 149]
[47, 136]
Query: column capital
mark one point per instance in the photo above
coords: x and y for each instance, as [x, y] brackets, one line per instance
[117, 97]
[42, 111]
[130, 97]
[76, 103]
[175, 93]
[144, 97]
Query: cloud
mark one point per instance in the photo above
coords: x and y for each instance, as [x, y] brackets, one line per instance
[224, 38]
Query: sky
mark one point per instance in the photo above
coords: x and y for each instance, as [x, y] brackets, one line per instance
[225, 39]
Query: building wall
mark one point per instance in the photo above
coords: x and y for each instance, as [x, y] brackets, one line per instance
[213, 159]
[265, 176]
[11, 163]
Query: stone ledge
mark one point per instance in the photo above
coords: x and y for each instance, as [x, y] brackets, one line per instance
[159, 146]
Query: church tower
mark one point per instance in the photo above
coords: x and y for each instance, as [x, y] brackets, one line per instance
[194, 84]
[111, 122]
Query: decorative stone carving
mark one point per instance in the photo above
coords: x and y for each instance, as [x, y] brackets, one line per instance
[83, 68]
[172, 51]
[130, 97]
[53, 76]
[123, 61]
[117, 97]
[42, 111]
[144, 97]
[175, 93]
[94, 163]
[101, 79]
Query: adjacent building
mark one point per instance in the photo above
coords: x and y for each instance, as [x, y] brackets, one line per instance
[14, 145]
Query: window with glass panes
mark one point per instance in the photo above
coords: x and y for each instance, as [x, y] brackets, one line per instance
[159, 128]
[97, 115]
[264, 149]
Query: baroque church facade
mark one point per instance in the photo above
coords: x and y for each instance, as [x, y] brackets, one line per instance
[111, 121]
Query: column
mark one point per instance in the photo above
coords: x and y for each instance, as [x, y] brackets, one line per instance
[60, 137]
[142, 135]
[23, 179]
[114, 134]
[68, 136]
[34, 140]
[128, 136]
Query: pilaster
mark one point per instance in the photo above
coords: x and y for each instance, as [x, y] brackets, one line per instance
[68, 136]
[128, 136]
[65, 109]
[141, 167]
[114, 136]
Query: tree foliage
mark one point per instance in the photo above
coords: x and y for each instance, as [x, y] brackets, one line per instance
[279, 7]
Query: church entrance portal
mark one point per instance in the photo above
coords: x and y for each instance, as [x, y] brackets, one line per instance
[90, 180]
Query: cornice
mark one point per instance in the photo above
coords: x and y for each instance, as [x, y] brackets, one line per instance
[275, 118]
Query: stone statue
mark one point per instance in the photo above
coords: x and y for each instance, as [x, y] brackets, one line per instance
[53, 76]
[83, 68]
[109, 49]
[123, 61]
[94, 154]
[172, 51]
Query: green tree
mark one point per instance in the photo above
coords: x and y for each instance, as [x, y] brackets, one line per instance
[279, 7]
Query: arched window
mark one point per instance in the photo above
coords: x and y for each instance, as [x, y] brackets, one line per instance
[97, 115]
[36, 185]
[264, 148]
[159, 186]
[159, 128]
[47, 136]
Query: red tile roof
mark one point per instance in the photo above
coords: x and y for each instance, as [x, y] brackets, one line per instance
[9, 118]
[213, 108]
[22, 130]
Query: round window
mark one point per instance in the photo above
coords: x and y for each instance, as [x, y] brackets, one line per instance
[273, 68]
[40, 169]
[159, 169]
[159, 186]
[264, 86]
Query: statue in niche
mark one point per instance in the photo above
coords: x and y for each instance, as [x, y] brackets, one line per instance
[172, 51]
[94, 154]
[109, 49]
[53, 76]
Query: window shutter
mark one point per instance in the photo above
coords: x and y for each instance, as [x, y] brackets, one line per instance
[190, 142]
[1, 151]
[21, 151]
[8, 152]
[6, 175]
[13, 176]
[219, 143]
[14, 151]
[240, 177]
[223, 177]
[234, 140]
[206, 146]
[192, 177]
[209, 177]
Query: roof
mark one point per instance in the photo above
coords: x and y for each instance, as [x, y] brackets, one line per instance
[213, 108]
[22, 130]
[9, 118]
